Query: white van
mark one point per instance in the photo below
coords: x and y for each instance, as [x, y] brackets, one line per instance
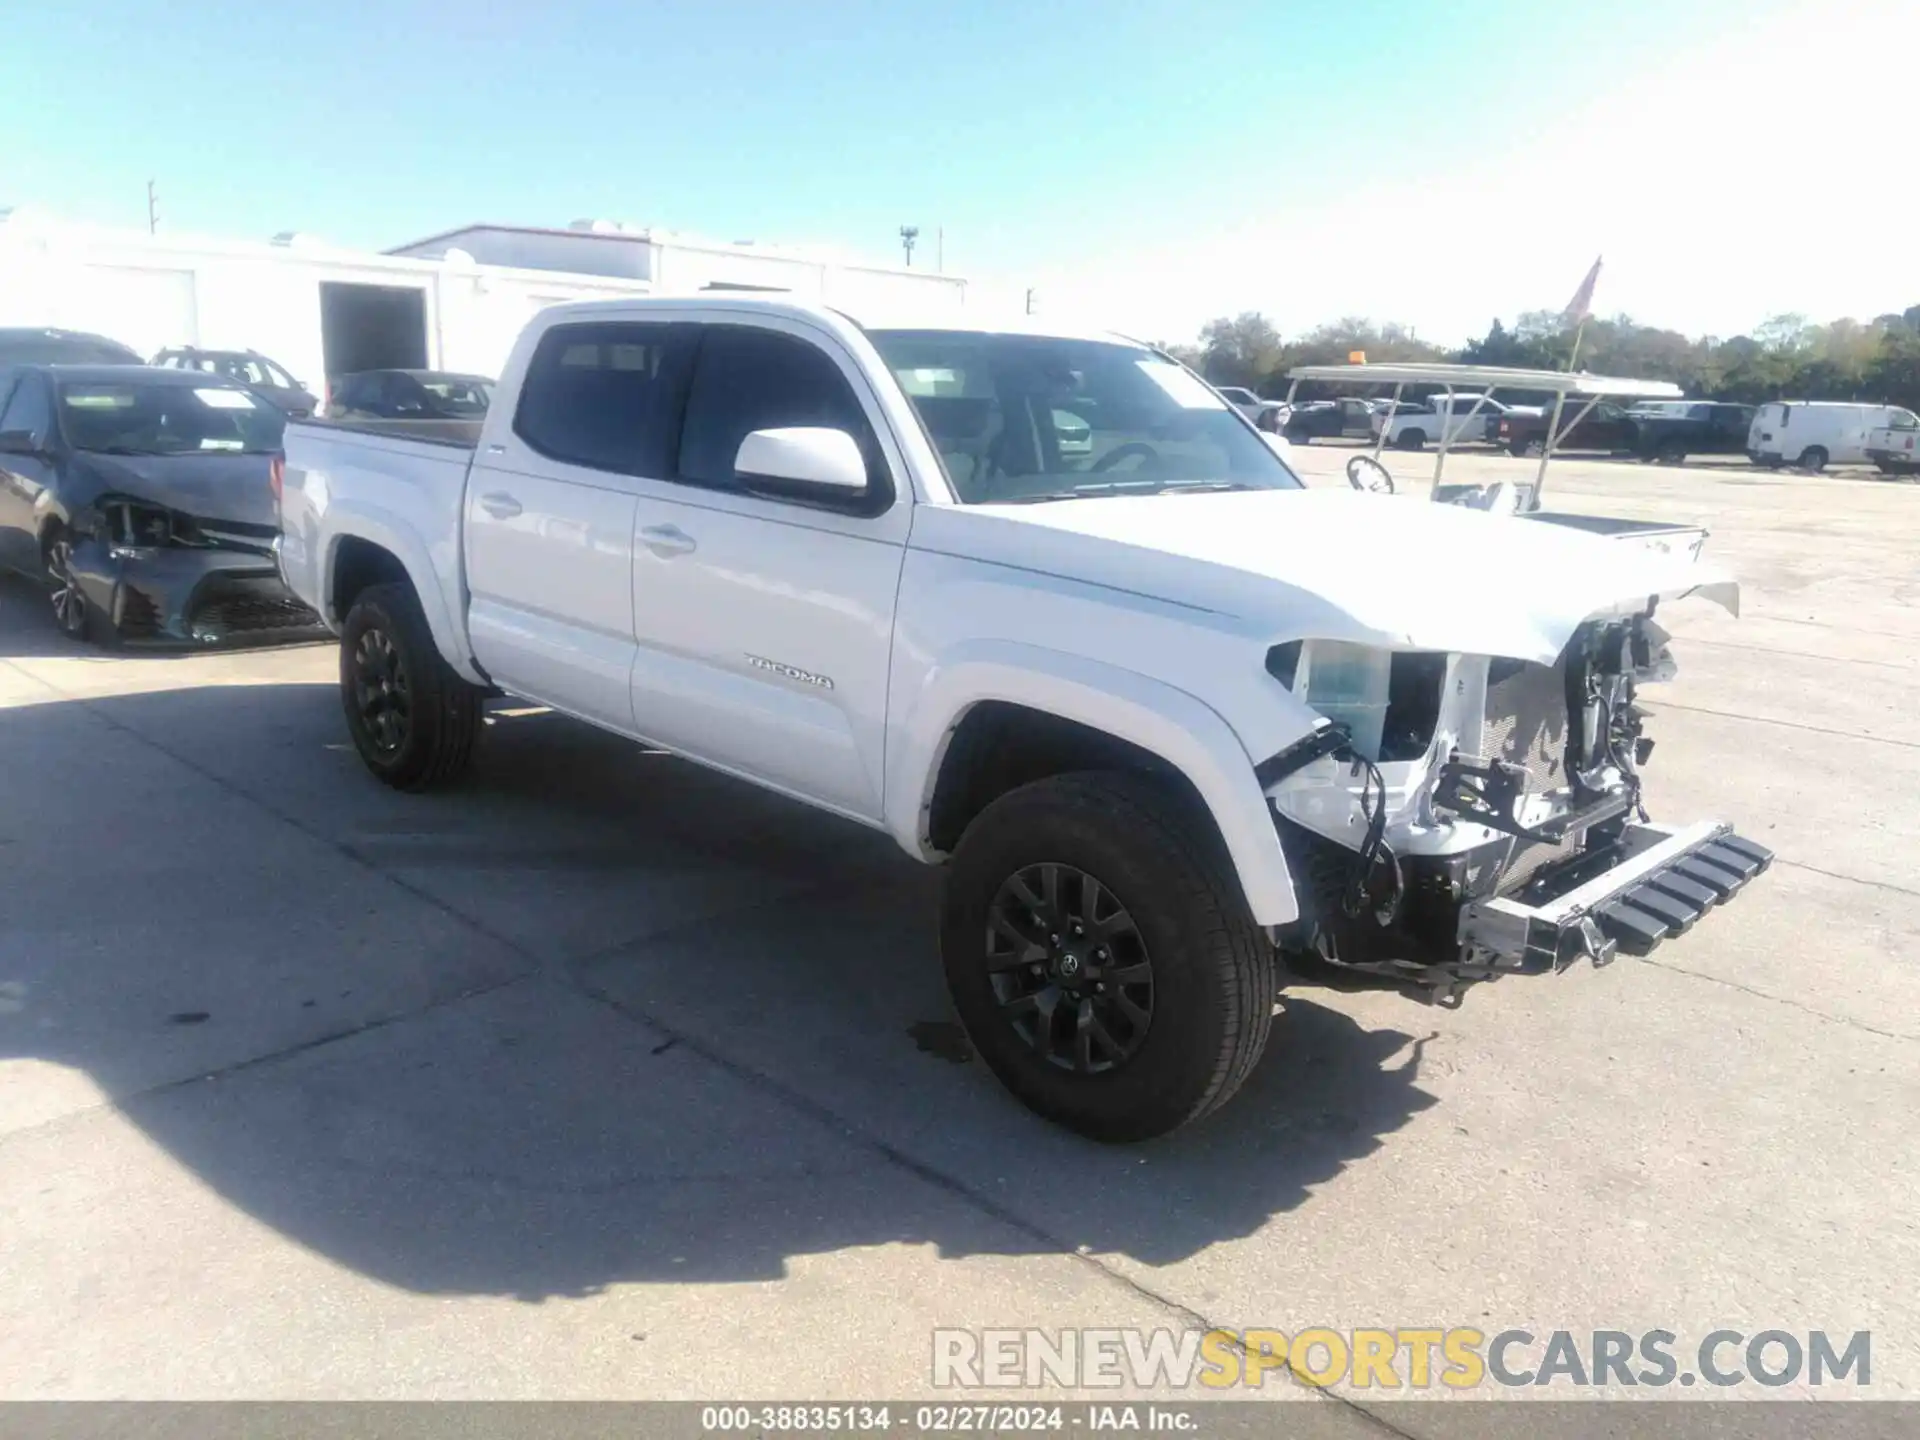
[1814, 434]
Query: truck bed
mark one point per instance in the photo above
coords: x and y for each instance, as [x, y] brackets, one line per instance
[406, 482]
[462, 434]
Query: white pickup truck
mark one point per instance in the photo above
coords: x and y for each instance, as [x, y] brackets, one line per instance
[1181, 729]
[1449, 419]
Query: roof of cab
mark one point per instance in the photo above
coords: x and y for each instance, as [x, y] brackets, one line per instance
[987, 321]
[145, 374]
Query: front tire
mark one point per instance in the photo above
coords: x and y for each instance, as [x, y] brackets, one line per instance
[413, 720]
[1813, 459]
[1100, 955]
[1412, 440]
[74, 616]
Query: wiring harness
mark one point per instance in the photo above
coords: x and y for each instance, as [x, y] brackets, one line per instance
[1374, 853]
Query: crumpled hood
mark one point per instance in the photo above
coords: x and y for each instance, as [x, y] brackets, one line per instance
[1327, 564]
[232, 488]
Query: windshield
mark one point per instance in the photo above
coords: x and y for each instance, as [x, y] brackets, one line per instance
[131, 418]
[1026, 418]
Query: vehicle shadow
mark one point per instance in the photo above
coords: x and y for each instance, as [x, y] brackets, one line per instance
[596, 1016]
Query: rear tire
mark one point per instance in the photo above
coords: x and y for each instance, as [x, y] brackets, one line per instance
[413, 720]
[1672, 453]
[1412, 440]
[1203, 974]
[1813, 459]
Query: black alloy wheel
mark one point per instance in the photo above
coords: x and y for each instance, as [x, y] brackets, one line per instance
[413, 719]
[69, 601]
[1100, 954]
[382, 691]
[1069, 968]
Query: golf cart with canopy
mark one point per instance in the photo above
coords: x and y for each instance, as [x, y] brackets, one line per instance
[1468, 390]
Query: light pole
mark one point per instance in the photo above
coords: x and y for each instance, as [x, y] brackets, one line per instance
[909, 234]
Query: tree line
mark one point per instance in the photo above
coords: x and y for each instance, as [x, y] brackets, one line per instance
[1786, 358]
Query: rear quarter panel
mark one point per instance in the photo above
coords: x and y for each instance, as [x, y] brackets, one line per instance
[403, 494]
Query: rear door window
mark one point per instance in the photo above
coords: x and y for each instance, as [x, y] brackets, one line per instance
[606, 395]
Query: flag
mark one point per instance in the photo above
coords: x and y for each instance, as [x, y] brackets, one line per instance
[1581, 306]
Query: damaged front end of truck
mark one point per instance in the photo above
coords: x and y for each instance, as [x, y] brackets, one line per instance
[1461, 817]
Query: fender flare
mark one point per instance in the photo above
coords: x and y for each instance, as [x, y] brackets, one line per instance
[1169, 723]
[381, 528]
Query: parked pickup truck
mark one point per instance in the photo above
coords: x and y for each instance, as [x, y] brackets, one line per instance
[1347, 417]
[1456, 419]
[1180, 729]
[1249, 404]
[1668, 432]
[1891, 446]
[1603, 427]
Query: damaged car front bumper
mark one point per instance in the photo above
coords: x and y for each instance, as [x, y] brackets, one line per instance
[1471, 817]
[197, 596]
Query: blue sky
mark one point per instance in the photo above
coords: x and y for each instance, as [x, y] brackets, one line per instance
[1162, 162]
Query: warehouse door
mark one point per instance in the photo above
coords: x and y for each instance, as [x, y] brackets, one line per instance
[372, 327]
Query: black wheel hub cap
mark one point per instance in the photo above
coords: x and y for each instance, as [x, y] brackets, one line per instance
[381, 691]
[1069, 968]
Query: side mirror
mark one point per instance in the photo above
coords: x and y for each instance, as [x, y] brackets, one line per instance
[18, 442]
[805, 460]
[1279, 444]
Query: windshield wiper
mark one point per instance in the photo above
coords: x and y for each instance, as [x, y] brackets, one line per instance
[1088, 492]
[1138, 487]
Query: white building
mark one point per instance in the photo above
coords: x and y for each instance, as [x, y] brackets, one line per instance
[675, 263]
[320, 310]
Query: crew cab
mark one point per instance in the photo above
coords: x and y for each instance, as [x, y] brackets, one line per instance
[1348, 417]
[1602, 426]
[1667, 433]
[1181, 729]
[1450, 419]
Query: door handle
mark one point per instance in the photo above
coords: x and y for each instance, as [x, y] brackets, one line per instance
[666, 541]
[500, 505]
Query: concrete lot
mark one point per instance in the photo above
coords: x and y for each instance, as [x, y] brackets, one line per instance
[607, 1077]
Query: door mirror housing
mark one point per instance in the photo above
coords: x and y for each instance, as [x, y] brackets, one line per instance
[19, 442]
[805, 460]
